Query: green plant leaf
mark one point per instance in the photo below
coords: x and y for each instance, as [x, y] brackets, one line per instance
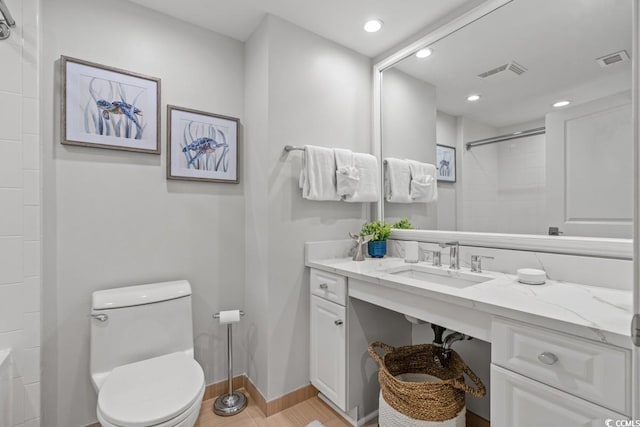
[380, 230]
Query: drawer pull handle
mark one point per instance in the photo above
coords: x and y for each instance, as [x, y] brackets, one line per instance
[338, 322]
[324, 286]
[547, 358]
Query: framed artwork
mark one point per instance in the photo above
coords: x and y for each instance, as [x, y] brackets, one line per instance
[201, 146]
[446, 163]
[105, 107]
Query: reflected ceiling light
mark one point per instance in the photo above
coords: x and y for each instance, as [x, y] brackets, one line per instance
[473, 97]
[424, 53]
[563, 103]
[373, 26]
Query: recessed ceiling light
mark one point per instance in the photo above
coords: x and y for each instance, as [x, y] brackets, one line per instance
[473, 98]
[561, 104]
[424, 53]
[373, 26]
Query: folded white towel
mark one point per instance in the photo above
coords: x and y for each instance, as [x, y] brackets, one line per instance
[318, 175]
[347, 175]
[424, 187]
[368, 189]
[397, 178]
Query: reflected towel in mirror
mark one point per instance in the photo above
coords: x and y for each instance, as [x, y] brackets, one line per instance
[397, 178]
[424, 187]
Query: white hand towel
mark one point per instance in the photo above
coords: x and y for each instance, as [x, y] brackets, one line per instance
[369, 186]
[347, 175]
[424, 187]
[318, 175]
[397, 179]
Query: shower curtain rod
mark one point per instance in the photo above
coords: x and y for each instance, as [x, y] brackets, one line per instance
[7, 23]
[506, 137]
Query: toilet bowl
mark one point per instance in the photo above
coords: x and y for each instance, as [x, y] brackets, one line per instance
[142, 364]
[164, 391]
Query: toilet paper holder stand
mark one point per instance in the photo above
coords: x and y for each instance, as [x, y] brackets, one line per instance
[231, 403]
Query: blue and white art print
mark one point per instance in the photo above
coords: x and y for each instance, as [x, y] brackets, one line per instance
[446, 163]
[202, 146]
[105, 107]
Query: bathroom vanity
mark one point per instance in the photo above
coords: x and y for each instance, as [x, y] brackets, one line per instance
[560, 352]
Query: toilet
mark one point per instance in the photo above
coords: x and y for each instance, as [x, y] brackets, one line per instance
[142, 360]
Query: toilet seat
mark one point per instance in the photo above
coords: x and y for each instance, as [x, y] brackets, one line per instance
[162, 391]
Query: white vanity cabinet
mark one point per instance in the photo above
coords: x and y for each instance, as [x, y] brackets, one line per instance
[544, 377]
[341, 330]
[328, 336]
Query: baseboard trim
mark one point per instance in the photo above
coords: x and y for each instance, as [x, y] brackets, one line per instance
[216, 389]
[281, 403]
[290, 399]
[256, 395]
[474, 420]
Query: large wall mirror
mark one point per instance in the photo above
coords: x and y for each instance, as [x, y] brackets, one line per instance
[522, 166]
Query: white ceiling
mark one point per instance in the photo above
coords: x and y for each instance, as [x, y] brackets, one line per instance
[337, 20]
[556, 40]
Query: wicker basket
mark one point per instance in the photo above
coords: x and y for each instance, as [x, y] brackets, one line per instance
[389, 417]
[429, 401]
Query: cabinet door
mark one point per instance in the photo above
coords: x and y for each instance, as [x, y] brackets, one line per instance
[328, 350]
[517, 401]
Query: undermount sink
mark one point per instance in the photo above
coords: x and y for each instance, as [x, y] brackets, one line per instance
[439, 275]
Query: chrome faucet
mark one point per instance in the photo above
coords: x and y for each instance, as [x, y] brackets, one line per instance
[454, 254]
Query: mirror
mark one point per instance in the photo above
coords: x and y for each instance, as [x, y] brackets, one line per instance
[522, 165]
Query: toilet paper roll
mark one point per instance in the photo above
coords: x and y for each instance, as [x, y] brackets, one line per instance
[229, 316]
[411, 251]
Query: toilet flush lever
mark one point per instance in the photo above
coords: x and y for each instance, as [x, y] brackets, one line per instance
[100, 316]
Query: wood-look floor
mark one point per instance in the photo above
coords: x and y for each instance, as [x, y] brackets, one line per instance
[296, 416]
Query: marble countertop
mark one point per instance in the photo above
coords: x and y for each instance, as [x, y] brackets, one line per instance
[597, 313]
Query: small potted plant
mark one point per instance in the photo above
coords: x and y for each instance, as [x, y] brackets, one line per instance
[381, 231]
[403, 224]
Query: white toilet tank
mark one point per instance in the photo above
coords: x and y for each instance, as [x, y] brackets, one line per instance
[135, 323]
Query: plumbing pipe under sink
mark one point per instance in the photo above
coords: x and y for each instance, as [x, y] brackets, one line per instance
[5, 388]
[450, 339]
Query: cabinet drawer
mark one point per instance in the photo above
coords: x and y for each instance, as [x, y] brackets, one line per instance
[593, 371]
[517, 401]
[329, 286]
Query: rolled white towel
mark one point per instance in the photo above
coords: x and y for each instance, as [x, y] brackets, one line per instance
[368, 189]
[397, 179]
[318, 175]
[347, 175]
[424, 186]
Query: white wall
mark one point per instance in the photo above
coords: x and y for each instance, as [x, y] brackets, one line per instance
[255, 341]
[504, 183]
[447, 134]
[311, 91]
[111, 217]
[409, 132]
[20, 201]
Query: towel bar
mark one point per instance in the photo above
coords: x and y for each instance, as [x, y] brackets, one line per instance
[292, 148]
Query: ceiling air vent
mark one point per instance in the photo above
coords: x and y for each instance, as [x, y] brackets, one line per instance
[512, 66]
[613, 58]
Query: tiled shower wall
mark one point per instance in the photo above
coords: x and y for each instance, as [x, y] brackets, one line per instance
[20, 212]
